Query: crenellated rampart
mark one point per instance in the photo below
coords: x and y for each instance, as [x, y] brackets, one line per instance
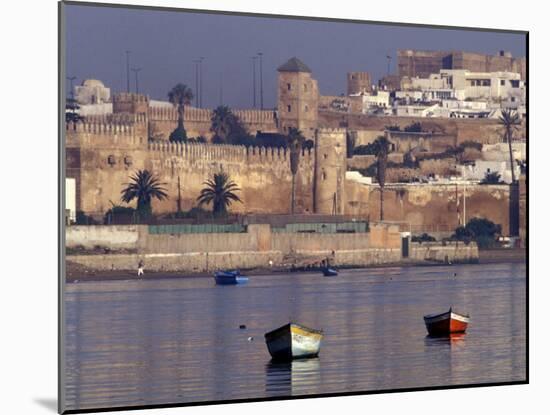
[198, 121]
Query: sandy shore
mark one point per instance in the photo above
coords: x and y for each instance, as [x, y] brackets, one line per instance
[76, 272]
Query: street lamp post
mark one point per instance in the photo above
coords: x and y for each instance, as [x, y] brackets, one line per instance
[71, 91]
[200, 80]
[136, 70]
[254, 58]
[260, 54]
[128, 71]
[197, 98]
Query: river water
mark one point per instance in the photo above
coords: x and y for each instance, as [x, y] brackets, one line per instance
[178, 340]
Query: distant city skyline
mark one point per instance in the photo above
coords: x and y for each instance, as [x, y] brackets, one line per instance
[166, 44]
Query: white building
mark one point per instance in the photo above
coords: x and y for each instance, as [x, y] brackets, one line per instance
[92, 91]
[417, 110]
[483, 167]
[376, 101]
[506, 87]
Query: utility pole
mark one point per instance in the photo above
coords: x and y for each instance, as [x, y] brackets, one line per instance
[128, 71]
[260, 54]
[179, 195]
[254, 58]
[136, 70]
[464, 197]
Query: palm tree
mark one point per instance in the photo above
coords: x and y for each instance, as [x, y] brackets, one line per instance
[222, 122]
[144, 187]
[295, 141]
[510, 121]
[221, 192]
[381, 150]
[180, 96]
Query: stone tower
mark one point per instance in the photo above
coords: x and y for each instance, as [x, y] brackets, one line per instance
[297, 98]
[330, 171]
[358, 82]
[130, 103]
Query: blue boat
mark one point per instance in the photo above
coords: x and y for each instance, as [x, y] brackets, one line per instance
[230, 277]
[329, 272]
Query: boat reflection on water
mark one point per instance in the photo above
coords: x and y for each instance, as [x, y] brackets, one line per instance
[297, 377]
[453, 339]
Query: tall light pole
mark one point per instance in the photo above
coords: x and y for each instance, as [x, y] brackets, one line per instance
[221, 88]
[128, 71]
[260, 54]
[71, 79]
[254, 58]
[200, 80]
[197, 98]
[136, 70]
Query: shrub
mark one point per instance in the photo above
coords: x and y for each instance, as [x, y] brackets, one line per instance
[423, 238]
[491, 178]
[178, 135]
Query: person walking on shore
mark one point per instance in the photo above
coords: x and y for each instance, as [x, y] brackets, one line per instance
[140, 268]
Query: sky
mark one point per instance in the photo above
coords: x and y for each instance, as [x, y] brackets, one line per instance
[164, 45]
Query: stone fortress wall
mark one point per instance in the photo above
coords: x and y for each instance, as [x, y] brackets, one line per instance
[104, 151]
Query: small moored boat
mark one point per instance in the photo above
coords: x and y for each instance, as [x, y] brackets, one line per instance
[229, 277]
[446, 323]
[293, 341]
[329, 272]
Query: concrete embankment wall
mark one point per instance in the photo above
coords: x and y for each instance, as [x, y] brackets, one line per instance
[450, 252]
[199, 252]
[186, 262]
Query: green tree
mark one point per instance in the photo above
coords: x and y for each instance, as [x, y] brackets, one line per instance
[483, 231]
[222, 122]
[382, 149]
[220, 191]
[180, 96]
[510, 121]
[295, 141]
[143, 187]
[228, 128]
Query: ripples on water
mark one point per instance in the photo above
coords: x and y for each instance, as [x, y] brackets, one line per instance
[178, 340]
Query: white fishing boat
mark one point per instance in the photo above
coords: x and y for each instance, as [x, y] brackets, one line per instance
[293, 341]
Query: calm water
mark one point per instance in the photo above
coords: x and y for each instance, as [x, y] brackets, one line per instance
[170, 341]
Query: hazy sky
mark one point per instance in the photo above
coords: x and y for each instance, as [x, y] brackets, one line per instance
[165, 43]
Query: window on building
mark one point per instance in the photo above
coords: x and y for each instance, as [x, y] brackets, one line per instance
[288, 108]
[325, 155]
[514, 83]
[306, 108]
[288, 87]
[502, 82]
[486, 82]
[323, 176]
[305, 87]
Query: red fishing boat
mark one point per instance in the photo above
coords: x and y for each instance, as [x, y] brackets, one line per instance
[446, 323]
